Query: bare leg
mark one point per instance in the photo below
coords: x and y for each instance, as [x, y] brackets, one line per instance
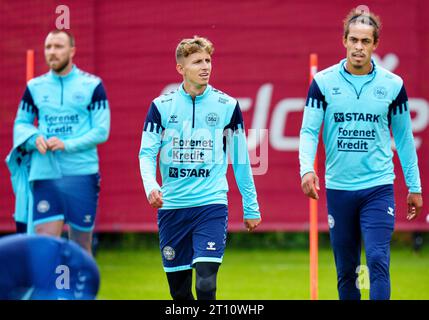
[84, 239]
[53, 228]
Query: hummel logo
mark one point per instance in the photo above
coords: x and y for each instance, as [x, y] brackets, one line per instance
[211, 246]
[173, 119]
[80, 286]
[81, 278]
[390, 211]
[78, 294]
[339, 117]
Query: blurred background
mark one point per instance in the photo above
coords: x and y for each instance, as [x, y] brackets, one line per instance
[261, 57]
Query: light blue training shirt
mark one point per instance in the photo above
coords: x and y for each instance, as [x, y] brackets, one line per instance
[193, 137]
[358, 113]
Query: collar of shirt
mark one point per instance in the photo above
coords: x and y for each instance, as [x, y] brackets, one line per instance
[197, 98]
[69, 75]
[357, 80]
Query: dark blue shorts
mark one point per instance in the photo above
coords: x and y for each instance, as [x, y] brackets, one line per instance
[21, 227]
[191, 235]
[73, 199]
[34, 267]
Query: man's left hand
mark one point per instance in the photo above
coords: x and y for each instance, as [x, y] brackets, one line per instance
[251, 224]
[415, 204]
[55, 144]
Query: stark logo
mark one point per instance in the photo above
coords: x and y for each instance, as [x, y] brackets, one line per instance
[339, 117]
[168, 253]
[173, 172]
[210, 245]
[43, 206]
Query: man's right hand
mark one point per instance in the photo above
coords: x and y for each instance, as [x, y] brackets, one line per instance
[155, 199]
[41, 144]
[310, 185]
[415, 204]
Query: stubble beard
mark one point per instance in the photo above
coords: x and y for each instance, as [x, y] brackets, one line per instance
[60, 68]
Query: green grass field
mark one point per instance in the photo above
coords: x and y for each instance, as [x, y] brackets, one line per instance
[254, 274]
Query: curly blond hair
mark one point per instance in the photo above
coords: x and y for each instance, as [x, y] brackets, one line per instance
[187, 47]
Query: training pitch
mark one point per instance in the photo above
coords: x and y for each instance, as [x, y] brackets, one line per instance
[254, 274]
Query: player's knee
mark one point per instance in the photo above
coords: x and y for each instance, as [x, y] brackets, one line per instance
[346, 271]
[84, 243]
[52, 229]
[181, 293]
[84, 239]
[378, 258]
[206, 280]
[206, 284]
[180, 284]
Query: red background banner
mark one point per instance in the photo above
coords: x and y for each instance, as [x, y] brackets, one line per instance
[261, 57]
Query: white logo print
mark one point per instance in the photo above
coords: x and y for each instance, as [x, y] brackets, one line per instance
[390, 211]
[168, 253]
[80, 285]
[211, 246]
[43, 206]
[87, 218]
[212, 119]
[331, 221]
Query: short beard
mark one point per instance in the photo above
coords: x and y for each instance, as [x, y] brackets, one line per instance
[61, 68]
